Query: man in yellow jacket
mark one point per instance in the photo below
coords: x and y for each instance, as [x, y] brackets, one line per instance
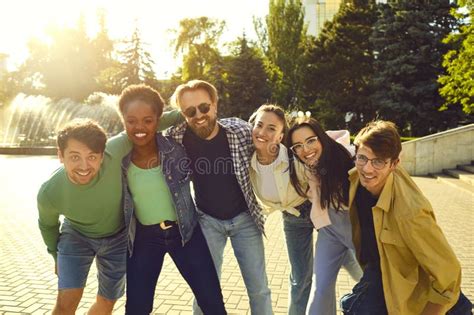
[409, 267]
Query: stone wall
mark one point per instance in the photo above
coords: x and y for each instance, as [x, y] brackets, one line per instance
[432, 153]
[29, 150]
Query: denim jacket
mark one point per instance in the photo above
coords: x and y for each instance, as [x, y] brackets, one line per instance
[177, 174]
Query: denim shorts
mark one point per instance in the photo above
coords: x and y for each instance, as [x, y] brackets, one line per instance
[76, 253]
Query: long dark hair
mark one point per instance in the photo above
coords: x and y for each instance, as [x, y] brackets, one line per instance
[334, 163]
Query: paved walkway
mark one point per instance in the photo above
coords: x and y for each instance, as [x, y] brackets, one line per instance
[28, 283]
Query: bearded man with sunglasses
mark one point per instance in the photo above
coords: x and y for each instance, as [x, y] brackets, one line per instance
[219, 152]
[409, 267]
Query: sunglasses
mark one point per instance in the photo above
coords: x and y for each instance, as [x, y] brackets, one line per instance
[191, 111]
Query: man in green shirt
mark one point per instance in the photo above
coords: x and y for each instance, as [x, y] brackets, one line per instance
[87, 191]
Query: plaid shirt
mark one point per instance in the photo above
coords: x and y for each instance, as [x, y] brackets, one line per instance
[239, 135]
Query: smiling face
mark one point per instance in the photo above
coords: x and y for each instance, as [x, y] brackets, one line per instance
[203, 125]
[372, 179]
[141, 122]
[80, 162]
[311, 150]
[267, 132]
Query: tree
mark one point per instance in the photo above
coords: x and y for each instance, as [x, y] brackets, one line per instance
[136, 63]
[458, 84]
[73, 65]
[247, 85]
[340, 67]
[66, 67]
[5, 93]
[197, 41]
[108, 68]
[11, 83]
[284, 41]
[408, 48]
[102, 43]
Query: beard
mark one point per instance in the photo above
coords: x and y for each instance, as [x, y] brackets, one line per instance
[205, 129]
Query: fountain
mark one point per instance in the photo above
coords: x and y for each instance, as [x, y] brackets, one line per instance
[32, 121]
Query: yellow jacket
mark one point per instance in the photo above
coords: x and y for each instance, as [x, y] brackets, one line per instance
[418, 265]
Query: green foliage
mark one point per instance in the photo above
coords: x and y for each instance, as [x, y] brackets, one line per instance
[7, 84]
[72, 65]
[108, 77]
[66, 67]
[409, 49]
[110, 80]
[102, 45]
[168, 86]
[340, 67]
[262, 34]
[246, 86]
[197, 41]
[365, 64]
[136, 65]
[240, 77]
[284, 41]
[75, 66]
[458, 84]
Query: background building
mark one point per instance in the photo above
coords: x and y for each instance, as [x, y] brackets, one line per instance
[319, 11]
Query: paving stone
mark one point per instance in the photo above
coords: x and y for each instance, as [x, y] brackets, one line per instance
[33, 307]
[26, 270]
[9, 303]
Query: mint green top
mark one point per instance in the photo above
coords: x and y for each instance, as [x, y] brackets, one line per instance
[151, 195]
[94, 209]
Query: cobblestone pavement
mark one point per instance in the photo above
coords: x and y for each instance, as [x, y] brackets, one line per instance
[28, 283]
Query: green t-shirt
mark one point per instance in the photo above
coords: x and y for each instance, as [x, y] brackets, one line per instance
[151, 195]
[94, 209]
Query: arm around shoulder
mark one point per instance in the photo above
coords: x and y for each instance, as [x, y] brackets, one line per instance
[119, 145]
[169, 119]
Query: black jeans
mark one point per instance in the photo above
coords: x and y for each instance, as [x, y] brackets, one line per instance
[367, 296]
[193, 261]
[462, 307]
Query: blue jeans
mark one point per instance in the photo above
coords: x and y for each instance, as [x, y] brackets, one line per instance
[299, 244]
[247, 242]
[334, 249]
[367, 296]
[76, 253]
[193, 261]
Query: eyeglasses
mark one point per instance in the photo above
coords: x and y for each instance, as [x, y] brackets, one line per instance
[377, 163]
[191, 111]
[308, 143]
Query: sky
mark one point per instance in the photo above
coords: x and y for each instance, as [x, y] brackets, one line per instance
[23, 19]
